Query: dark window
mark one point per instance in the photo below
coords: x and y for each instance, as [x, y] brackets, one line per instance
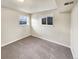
[50, 20]
[44, 21]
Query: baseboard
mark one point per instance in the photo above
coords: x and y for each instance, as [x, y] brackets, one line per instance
[14, 41]
[52, 41]
[74, 57]
[37, 37]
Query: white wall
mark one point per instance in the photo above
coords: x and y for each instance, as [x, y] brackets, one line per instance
[74, 32]
[58, 33]
[11, 30]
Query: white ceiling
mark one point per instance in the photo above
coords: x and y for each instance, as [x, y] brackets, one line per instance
[62, 7]
[32, 6]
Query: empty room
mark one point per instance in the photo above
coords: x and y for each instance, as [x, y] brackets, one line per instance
[39, 29]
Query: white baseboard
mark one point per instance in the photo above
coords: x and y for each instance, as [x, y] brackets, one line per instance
[14, 41]
[37, 37]
[52, 41]
[74, 57]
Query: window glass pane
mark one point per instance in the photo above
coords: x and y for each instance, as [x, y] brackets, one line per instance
[43, 20]
[50, 20]
[23, 20]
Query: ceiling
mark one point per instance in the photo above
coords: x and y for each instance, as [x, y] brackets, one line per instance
[65, 8]
[33, 6]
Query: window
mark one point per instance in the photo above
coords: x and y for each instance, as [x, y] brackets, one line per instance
[43, 20]
[47, 21]
[23, 20]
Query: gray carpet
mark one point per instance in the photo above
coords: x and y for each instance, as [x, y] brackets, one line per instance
[35, 48]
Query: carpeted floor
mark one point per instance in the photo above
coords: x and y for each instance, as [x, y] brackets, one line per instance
[35, 48]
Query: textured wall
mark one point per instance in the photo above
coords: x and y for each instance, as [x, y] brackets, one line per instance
[74, 32]
[11, 30]
[58, 33]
